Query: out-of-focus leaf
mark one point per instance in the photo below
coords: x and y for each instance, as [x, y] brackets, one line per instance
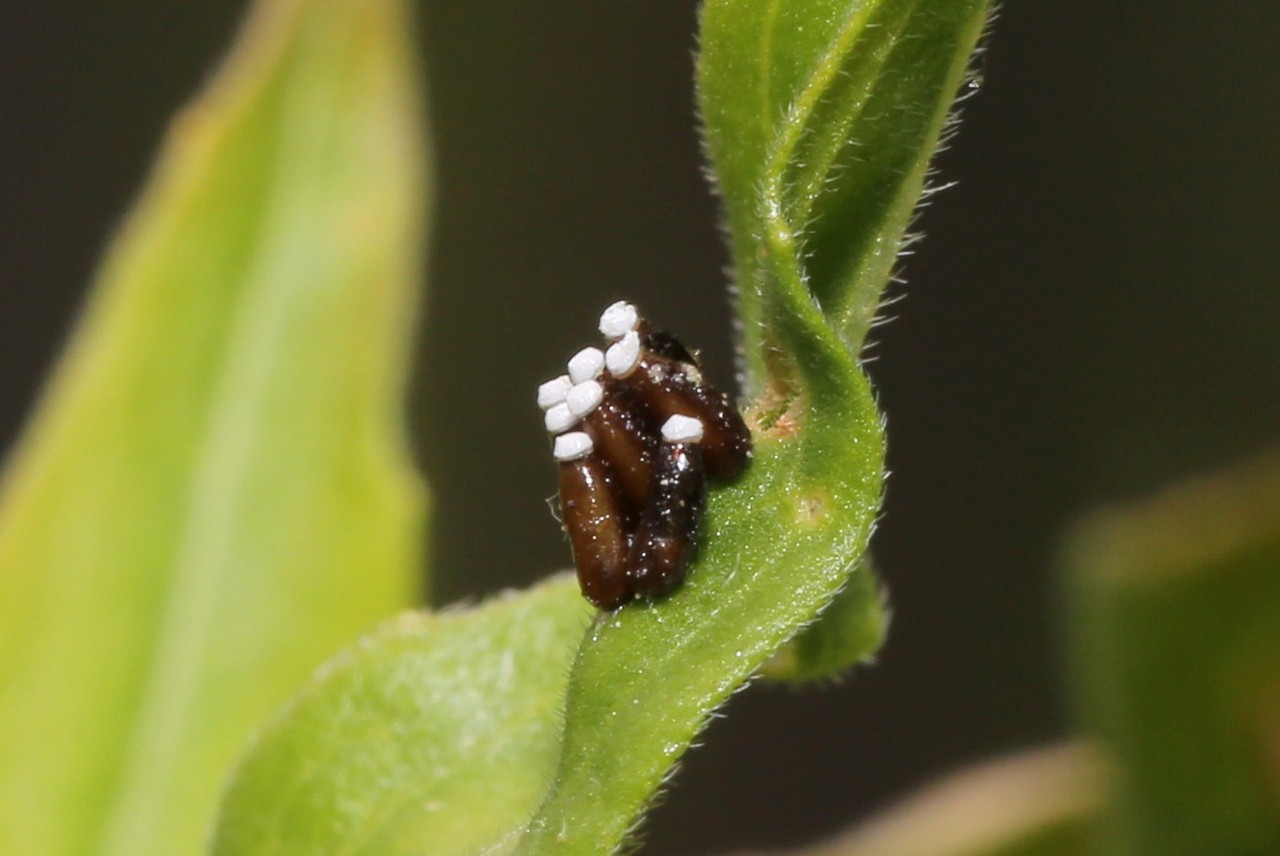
[438, 734]
[1176, 643]
[214, 493]
[1038, 803]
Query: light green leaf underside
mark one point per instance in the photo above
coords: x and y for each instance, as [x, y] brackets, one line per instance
[1176, 632]
[214, 493]
[438, 734]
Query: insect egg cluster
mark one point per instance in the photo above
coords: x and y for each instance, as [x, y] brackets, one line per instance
[637, 432]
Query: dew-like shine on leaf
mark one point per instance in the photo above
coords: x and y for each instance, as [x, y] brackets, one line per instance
[214, 494]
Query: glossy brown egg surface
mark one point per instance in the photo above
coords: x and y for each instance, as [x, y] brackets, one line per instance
[595, 525]
[667, 535]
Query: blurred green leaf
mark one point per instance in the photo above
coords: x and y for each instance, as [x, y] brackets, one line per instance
[215, 492]
[1176, 642]
[1037, 803]
[438, 734]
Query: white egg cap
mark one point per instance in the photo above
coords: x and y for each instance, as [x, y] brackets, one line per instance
[584, 397]
[554, 391]
[586, 365]
[623, 355]
[572, 446]
[618, 320]
[559, 418]
[682, 429]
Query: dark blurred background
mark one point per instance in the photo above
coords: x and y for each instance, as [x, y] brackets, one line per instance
[1095, 312]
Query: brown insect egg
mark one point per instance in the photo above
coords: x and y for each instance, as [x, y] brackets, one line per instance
[611, 416]
[667, 534]
[668, 387]
[589, 508]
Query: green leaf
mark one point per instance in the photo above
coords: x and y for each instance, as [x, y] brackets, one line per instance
[215, 492]
[821, 117]
[438, 734]
[815, 223]
[1175, 631]
[778, 544]
[846, 633]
